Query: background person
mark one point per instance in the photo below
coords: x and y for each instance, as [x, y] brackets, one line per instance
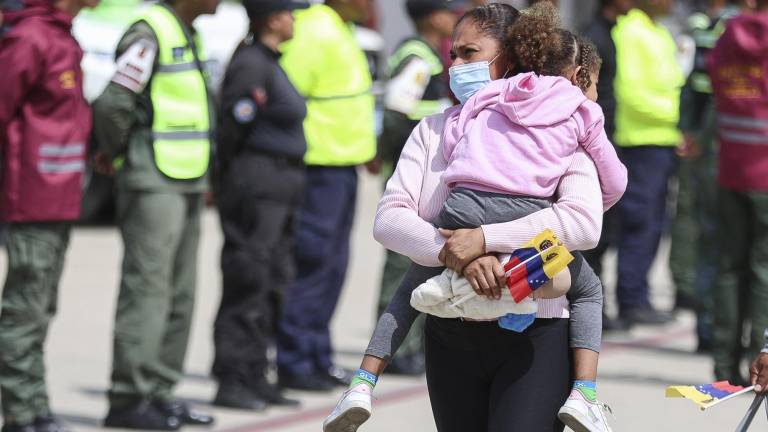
[416, 89]
[404, 223]
[142, 121]
[261, 145]
[647, 89]
[738, 66]
[330, 71]
[694, 250]
[45, 125]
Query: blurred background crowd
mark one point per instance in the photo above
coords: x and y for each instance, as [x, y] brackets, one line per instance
[359, 75]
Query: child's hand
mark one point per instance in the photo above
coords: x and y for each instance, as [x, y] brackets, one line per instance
[758, 373]
[461, 247]
[486, 276]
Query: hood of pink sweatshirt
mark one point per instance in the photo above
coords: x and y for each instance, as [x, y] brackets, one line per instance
[533, 100]
[527, 100]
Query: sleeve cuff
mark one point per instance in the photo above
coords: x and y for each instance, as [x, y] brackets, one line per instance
[497, 238]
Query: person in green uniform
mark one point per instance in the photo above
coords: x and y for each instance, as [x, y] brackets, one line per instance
[416, 89]
[694, 248]
[45, 123]
[153, 124]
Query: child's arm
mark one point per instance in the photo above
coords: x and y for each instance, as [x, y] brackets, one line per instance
[610, 170]
[557, 287]
[576, 217]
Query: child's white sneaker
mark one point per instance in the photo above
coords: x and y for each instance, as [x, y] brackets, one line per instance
[353, 409]
[582, 415]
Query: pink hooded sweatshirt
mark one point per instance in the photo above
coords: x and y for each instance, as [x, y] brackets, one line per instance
[518, 137]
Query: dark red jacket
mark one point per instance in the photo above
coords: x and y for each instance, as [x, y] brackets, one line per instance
[738, 66]
[45, 121]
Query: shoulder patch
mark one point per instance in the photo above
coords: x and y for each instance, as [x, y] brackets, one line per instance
[134, 67]
[244, 110]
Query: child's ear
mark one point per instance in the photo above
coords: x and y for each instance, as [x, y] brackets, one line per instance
[574, 75]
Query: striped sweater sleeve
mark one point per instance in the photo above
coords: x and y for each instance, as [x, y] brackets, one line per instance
[576, 217]
[398, 225]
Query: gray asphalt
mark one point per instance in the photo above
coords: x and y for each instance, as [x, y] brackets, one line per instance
[635, 368]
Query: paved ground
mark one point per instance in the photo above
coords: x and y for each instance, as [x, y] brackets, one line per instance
[634, 371]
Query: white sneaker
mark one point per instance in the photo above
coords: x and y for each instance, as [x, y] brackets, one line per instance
[582, 415]
[353, 409]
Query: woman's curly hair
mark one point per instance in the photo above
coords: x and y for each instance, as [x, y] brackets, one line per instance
[536, 43]
[589, 61]
[492, 20]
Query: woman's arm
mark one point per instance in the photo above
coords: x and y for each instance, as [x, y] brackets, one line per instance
[398, 226]
[576, 217]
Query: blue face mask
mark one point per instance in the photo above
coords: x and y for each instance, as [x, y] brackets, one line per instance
[468, 79]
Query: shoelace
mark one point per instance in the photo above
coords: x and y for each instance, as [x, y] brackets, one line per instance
[605, 408]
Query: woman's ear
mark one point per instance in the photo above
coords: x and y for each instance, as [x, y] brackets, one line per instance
[574, 75]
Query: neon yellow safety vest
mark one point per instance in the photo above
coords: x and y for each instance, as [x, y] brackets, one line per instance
[181, 118]
[328, 68]
[648, 83]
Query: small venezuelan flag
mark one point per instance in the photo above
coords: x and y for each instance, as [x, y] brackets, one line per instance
[707, 395]
[535, 264]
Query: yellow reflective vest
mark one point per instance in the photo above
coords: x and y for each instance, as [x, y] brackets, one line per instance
[330, 70]
[648, 83]
[181, 117]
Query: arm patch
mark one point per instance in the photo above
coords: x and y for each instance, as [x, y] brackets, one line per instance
[134, 67]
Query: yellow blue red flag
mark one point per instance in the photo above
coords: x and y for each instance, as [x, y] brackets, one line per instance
[535, 264]
[707, 395]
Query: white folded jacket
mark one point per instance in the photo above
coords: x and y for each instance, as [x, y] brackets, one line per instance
[449, 295]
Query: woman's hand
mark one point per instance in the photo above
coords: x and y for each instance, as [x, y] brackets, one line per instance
[462, 247]
[486, 276]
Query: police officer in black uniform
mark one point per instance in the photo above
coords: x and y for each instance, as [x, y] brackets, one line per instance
[260, 183]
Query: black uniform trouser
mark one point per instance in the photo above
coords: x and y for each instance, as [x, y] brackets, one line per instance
[258, 203]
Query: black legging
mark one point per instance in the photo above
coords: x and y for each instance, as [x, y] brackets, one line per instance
[483, 378]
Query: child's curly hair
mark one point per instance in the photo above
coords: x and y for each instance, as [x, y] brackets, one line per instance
[536, 43]
[589, 61]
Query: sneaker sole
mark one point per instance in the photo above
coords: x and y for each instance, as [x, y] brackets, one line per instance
[348, 421]
[573, 419]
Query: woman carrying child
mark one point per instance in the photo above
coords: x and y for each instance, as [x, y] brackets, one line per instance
[482, 377]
